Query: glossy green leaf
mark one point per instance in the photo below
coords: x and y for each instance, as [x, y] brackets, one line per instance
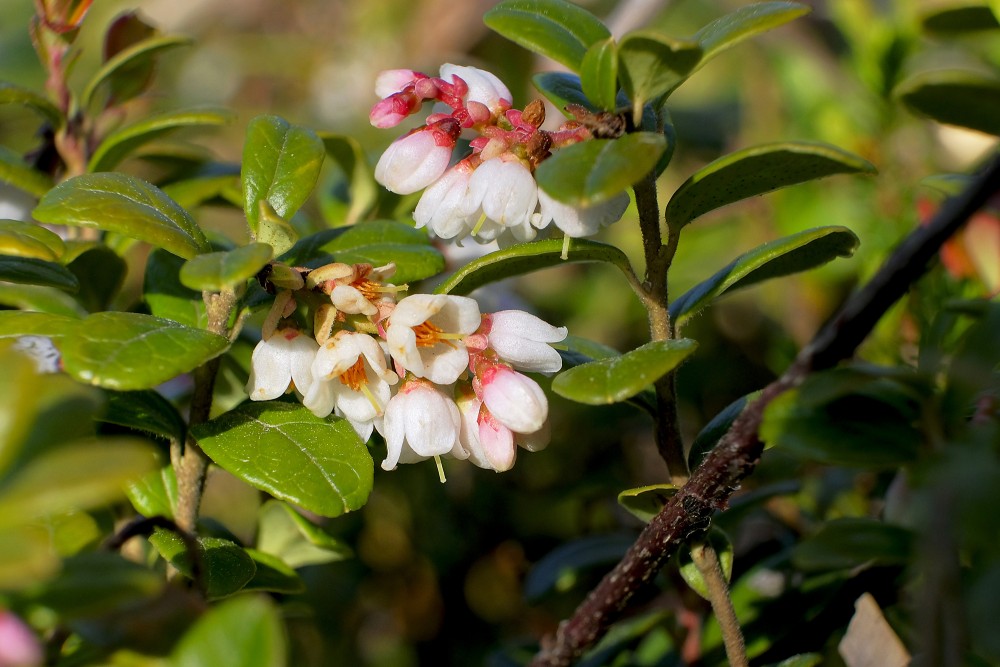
[155, 493]
[576, 351]
[562, 569]
[955, 97]
[755, 171]
[167, 297]
[226, 567]
[743, 23]
[15, 171]
[375, 242]
[645, 502]
[147, 411]
[298, 542]
[126, 351]
[281, 163]
[854, 542]
[14, 323]
[591, 172]
[192, 192]
[273, 574]
[39, 299]
[36, 272]
[282, 448]
[215, 271]
[599, 73]
[14, 94]
[556, 29]
[563, 89]
[527, 257]
[124, 204]
[362, 189]
[960, 19]
[26, 239]
[723, 547]
[76, 476]
[245, 631]
[101, 273]
[98, 582]
[774, 259]
[274, 230]
[618, 378]
[143, 51]
[652, 65]
[120, 143]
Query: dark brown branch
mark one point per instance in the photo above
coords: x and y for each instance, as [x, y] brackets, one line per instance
[735, 456]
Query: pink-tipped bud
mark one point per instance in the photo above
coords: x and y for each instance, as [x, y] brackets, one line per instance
[391, 111]
[393, 81]
[416, 160]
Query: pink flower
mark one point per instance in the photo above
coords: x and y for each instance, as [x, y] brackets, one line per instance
[420, 422]
[484, 88]
[521, 339]
[392, 81]
[281, 361]
[19, 647]
[416, 160]
[515, 400]
[489, 443]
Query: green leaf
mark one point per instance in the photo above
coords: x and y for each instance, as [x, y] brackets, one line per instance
[713, 431]
[723, 551]
[282, 448]
[555, 29]
[215, 271]
[298, 542]
[281, 163]
[15, 171]
[101, 273]
[375, 242]
[14, 324]
[273, 574]
[26, 558]
[952, 21]
[125, 31]
[155, 494]
[745, 22]
[599, 74]
[576, 351]
[146, 411]
[37, 272]
[645, 502]
[801, 660]
[616, 379]
[652, 65]
[274, 230]
[77, 476]
[139, 53]
[125, 351]
[755, 171]
[40, 299]
[193, 192]
[527, 257]
[774, 259]
[361, 187]
[13, 94]
[561, 569]
[126, 205]
[244, 631]
[120, 143]
[563, 89]
[591, 172]
[167, 297]
[26, 239]
[955, 97]
[226, 567]
[95, 583]
[854, 542]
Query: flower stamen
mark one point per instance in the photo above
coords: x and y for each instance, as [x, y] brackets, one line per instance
[355, 376]
[429, 335]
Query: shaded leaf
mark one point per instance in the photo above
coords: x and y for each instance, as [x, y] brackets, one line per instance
[645, 502]
[193, 192]
[774, 259]
[216, 271]
[124, 62]
[591, 172]
[26, 239]
[132, 79]
[226, 567]
[869, 639]
[37, 272]
[714, 430]
[960, 19]
[282, 448]
[101, 273]
[562, 568]
[599, 74]
[563, 89]
[167, 297]
[126, 351]
[755, 171]
[15, 171]
[40, 299]
[14, 94]
[556, 29]
[723, 547]
[361, 187]
[652, 65]
[147, 411]
[273, 574]
[527, 257]
[743, 23]
[955, 97]
[245, 631]
[126, 205]
[618, 378]
[847, 543]
[95, 583]
[26, 558]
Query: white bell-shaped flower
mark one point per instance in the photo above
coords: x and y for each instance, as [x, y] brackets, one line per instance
[425, 335]
[420, 422]
[489, 443]
[579, 221]
[444, 207]
[504, 192]
[521, 339]
[514, 399]
[416, 160]
[281, 361]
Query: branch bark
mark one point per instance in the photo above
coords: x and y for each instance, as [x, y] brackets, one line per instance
[736, 455]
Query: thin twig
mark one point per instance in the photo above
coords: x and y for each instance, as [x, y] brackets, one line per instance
[707, 561]
[735, 456]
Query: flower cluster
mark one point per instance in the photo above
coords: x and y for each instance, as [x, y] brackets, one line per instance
[430, 372]
[490, 194]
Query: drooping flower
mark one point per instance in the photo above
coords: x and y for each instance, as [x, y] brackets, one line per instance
[489, 443]
[521, 339]
[425, 335]
[420, 422]
[279, 362]
[445, 206]
[416, 160]
[504, 192]
[514, 399]
[579, 221]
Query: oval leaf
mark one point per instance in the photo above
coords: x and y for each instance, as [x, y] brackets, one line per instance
[244, 631]
[556, 29]
[563, 89]
[146, 411]
[743, 23]
[37, 272]
[645, 502]
[952, 21]
[591, 172]
[791, 254]
[854, 542]
[141, 52]
[273, 574]
[281, 163]
[723, 551]
[954, 97]
[226, 566]
[616, 379]
[755, 171]
[117, 145]
[165, 295]
[527, 257]
[15, 323]
[282, 448]
[286, 534]
[599, 73]
[40, 299]
[17, 172]
[215, 271]
[361, 188]
[26, 239]
[652, 65]
[155, 494]
[12, 94]
[126, 205]
[126, 351]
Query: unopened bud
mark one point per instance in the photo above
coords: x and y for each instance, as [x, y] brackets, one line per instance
[285, 277]
[534, 113]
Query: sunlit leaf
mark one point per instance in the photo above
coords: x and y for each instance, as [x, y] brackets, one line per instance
[755, 171]
[26, 239]
[126, 205]
[215, 271]
[274, 230]
[645, 502]
[955, 97]
[226, 567]
[743, 23]
[652, 65]
[142, 52]
[282, 448]
[781, 257]
[14, 94]
[39, 299]
[599, 73]
[618, 378]
[576, 351]
[14, 323]
[556, 29]
[192, 192]
[245, 631]
[155, 493]
[36, 272]
[723, 547]
[15, 171]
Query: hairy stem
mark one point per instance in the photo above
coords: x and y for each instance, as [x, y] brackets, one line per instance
[707, 561]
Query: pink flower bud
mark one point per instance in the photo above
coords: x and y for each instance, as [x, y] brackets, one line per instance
[19, 647]
[483, 87]
[393, 81]
[514, 399]
[416, 160]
